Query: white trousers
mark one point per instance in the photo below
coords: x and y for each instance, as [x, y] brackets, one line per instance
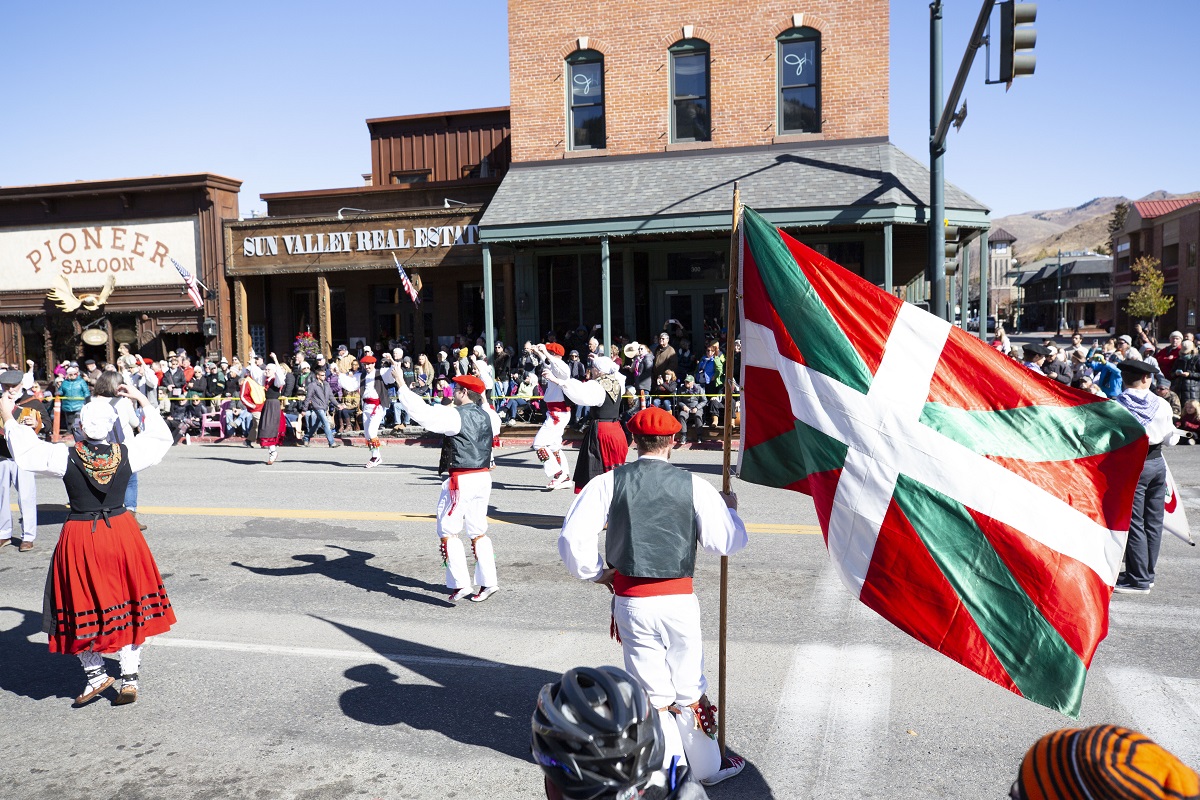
[26, 499]
[550, 437]
[374, 422]
[467, 512]
[664, 650]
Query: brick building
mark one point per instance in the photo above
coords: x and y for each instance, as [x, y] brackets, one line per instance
[1168, 230]
[631, 122]
[1076, 288]
[322, 260]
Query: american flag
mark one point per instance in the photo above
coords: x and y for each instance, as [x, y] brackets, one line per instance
[193, 289]
[408, 285]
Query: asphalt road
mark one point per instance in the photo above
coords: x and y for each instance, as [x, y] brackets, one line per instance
[316, 657]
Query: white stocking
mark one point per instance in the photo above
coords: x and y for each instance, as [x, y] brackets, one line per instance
[130, 657]
[674, 744]
[90, 659]
[703, 753]
[457, 576]
[562, 463]
[485, 561]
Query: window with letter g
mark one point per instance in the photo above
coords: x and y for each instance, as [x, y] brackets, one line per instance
[800, 81]
[585, 87]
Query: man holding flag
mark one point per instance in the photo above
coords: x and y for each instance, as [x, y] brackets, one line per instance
[1149, 502]
[940, 512]
[656, 515]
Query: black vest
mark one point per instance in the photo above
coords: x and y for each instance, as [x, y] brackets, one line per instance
[471, 447]
[90, 497]
[652, 528]
[271, 391]
[610, 409]
[4, 451]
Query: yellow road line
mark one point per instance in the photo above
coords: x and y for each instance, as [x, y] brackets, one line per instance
[407, 516]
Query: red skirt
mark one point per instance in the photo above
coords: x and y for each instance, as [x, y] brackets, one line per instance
[104, 590]
[272, 420]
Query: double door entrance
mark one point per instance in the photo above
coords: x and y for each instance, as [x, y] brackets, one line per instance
[700, 312]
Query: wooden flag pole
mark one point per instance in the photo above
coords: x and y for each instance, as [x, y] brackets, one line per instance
[731, 318]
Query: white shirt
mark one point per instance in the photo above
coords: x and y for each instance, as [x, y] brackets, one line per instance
[721, 531]
[437, 418]
[31, 453]
[560, 370]
[588, 393]
[1161, 429]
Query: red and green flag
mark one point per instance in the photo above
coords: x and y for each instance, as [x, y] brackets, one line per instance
[978, 506]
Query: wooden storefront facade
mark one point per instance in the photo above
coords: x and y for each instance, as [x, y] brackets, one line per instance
[113, 241]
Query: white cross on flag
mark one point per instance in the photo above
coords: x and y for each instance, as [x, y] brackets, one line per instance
[980, 507]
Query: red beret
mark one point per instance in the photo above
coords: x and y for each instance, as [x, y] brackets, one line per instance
[470, 382]
[367, 360]
[555, 348]
[653, 422]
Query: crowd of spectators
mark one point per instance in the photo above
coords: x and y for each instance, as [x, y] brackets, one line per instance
[321, 394]
[1093, 367]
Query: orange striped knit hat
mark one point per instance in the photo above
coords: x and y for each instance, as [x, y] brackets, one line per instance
[1103, 761]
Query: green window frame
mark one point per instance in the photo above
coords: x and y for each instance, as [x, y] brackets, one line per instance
[585, 100]
[799, 80]
[691, 110]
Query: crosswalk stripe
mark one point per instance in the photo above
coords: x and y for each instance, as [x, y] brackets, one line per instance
[832, 717]
[1126, 614]
[1167, 709]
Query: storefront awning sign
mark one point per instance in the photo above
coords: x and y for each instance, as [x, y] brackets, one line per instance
[135, 252]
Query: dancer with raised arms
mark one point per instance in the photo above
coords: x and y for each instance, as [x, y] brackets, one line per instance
[469, 426]
[104, 593]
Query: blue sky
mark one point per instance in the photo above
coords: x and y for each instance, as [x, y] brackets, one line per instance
[276, 94]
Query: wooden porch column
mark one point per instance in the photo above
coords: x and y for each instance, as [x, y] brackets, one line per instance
[241, 327]
[324, 329]
[510, 311]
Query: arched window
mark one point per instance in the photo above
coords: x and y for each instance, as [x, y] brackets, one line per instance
[799, 81]
[585, 92]
[691, 117]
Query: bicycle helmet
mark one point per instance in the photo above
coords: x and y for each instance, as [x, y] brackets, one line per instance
[595, 734]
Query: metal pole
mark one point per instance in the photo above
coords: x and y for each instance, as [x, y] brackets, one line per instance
[489, 333]
[1058, 317]
[985, 266]
[966, 285]
[935, 271]
[606, 291]
[887, 257]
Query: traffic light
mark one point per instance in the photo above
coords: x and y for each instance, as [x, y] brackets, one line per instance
[951, 249]
[1016, 44]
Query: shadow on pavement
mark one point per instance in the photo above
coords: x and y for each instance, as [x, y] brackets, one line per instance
[750, 785]
[353, 570]
[28, 668]
[476, 701]
[543, 522]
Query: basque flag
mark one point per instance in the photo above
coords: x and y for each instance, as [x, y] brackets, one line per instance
[978, 506]
[193, 289]
[406, 283]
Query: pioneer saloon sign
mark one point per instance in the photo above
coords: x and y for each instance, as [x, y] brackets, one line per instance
[287, 245]
[136, 253]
